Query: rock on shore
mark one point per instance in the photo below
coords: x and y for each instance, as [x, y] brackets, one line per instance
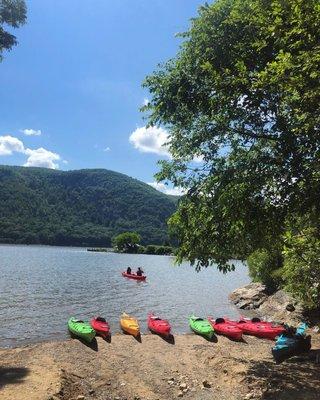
[278, 307]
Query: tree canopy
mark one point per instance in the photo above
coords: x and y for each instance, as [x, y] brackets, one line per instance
[243, 95]
[13, 13]
[127, 242]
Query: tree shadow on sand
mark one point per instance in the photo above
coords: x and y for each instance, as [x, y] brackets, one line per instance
[296, 378]
[12, 375]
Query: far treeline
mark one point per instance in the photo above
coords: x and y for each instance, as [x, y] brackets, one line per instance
[243, 95]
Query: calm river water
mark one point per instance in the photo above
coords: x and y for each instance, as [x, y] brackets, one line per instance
[41, 287]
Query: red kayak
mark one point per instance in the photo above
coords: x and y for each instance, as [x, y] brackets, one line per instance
[258, 328]
[158, 325]
[134, 276]
[222, 327]
[101, 326]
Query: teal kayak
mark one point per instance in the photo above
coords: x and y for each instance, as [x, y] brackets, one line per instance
[201, 326]
[81, 329]
[291, 343]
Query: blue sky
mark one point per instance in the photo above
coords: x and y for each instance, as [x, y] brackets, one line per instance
[70, 91]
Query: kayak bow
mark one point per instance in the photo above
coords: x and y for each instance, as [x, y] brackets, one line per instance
[201, 326]
[81, 329]
[158, 325]
[130, 325]
[101, 326]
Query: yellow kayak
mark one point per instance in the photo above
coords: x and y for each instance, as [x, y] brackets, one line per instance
[129, 324]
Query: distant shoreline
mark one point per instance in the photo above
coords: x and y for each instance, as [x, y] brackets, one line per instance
[86, 248]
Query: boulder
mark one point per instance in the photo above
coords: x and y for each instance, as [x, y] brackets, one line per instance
[250, 296]
[282, 307]
[279, 307]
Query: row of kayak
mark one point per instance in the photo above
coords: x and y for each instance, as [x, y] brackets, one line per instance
[201, 326]
[99, 326]
[235, 329]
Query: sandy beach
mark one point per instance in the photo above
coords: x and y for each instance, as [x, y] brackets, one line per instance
[190, 368]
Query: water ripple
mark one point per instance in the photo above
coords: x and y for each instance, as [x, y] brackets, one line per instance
[40, 287]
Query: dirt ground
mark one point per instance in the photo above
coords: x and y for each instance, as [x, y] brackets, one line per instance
[188, 367]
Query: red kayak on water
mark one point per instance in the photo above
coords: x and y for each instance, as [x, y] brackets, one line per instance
[159, 325]
[258, 328]
[222, 327]
[134, 276]
[101, 326]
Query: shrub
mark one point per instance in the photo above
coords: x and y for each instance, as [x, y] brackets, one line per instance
[141, 249]
[266, 267]
[151, 249]
[164, 250]
[302, 266]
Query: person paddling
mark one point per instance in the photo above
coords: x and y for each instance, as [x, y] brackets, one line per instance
[129, 270]
[139, 272]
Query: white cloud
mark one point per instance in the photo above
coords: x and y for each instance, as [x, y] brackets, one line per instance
[176, 191]
[31, 132]
[42, 158]
[10, 144]
[36, 158]
[146, 101]
[153, 140]
[107, 149]
[150, 140]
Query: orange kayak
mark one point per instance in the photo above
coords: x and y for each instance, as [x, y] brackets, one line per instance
[129, 325]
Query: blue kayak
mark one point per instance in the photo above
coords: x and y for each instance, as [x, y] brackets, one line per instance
[291, 343]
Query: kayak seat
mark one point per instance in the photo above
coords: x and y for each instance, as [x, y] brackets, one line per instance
[255, 319]
[220, 320]
[100, 319]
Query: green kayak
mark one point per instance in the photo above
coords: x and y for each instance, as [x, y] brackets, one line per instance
[201, 326]
[81, 329]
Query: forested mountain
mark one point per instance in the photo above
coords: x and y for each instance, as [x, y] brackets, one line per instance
[84, 207]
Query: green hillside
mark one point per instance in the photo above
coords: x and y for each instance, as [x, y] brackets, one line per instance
[84, 207]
